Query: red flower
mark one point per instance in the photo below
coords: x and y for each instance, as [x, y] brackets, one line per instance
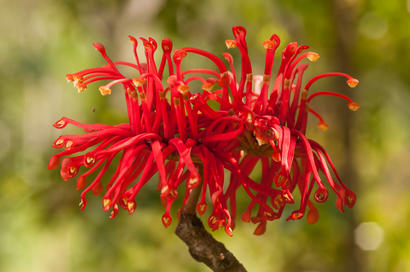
[175, 132]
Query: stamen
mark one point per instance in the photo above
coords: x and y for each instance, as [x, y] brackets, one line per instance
[60, 124]
[72, 170]
[183, 89]
[230, 44]
[138, 82]
[352, 82]
[268, 44]
[353, 106]
[68, 145]
[106, 204]
[179, 54]
[313, 56]
[104, 90]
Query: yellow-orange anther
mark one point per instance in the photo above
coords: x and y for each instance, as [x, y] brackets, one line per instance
[183, 89]
[69, 77]
[80, 86]
[193, 180]
[130, 206]
[352, 82]
[60, 124]
[104, 90]
[207, 86]
[68, 144]
[106, 204]
[59, 142]
[353, 106]
[138, 82]
[166, 221]
[90, 160]
[230, 44]
[323, 126]
[72, 170]
[164, 189]
[201, 208]
[268, 44]
[179, 54]
[313, 56]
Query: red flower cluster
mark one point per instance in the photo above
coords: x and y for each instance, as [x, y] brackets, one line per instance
[190, 142]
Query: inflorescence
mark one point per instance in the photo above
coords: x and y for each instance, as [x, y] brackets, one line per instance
[175, 131]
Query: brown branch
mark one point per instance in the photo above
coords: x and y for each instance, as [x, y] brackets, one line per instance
[202, 246]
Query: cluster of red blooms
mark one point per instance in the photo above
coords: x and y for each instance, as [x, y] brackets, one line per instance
[175, 132]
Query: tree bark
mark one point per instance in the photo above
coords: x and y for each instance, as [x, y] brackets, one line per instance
[202, 246]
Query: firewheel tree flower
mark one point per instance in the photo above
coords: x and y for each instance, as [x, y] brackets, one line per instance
[172, 129]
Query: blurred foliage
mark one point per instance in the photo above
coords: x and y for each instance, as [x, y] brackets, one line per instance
[41, 227]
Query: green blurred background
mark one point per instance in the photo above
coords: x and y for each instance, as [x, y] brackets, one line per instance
[41, 226]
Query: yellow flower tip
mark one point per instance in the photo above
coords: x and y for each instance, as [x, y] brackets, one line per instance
[323, 126]
[68, 145]
[164, 189]
[193, 181]
[80, 86]
[179, 54]
[313, 56]
[69, 77]
[104, 90]
[166, 220]
[138, 82]
[352, 82]
[183, 89]
[131, 206]
[72, 170]
[230, 44]
[106, 204]
[268, 44]
[60, 124]
[201, 208]
[89, 161]
[353, 106]
[207, 86]
[59, 142]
